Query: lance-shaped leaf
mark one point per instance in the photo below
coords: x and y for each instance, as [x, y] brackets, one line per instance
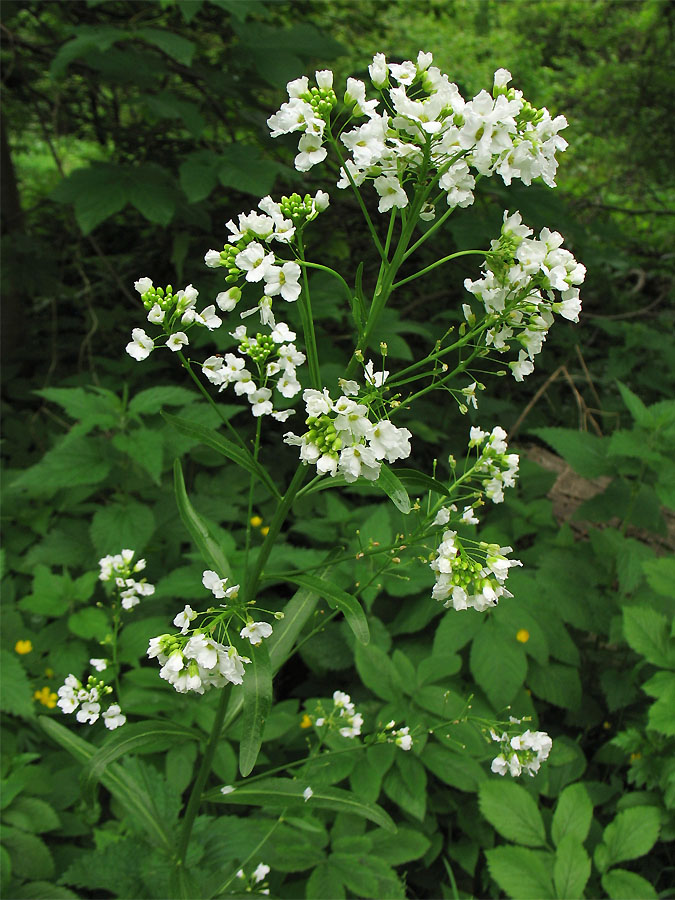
[420, 480]
[393, 488]
[217, 442]
[282, 792]
[337, 598]
[131, 795]
[130, 738]
[257, 689]
[196, 525]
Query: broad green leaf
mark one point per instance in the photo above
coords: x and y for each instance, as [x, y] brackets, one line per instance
[275, 793]
[153, 399]
[130, 738]
[114, 868]
[257, 689]
[632, 833]
[420, 480]
[152, 191]
[377, 672]
[146, 447]
[31, 890]
[571, 870]
[99, 38]
[498, 664]
[195, 524]
[573, 814]
[556, 683]
[620, 884]
[217, 442]
[635, 406]
[646, 630]
[522, 874]
[121, 525]
[583, 451]
[367, 876]
[29, 853]
[406, 785]
[511, 810]
[337, 598]
[16, 696]
[404, 846]
[393, 488]
[661, 716]
[31, 814]
[72, 461]
[50, 595]
[174, 45]
[245, 169]
[199, 175]
[661, 574]
[128, 791]
[325, 883]
[90, 623]
[84, 405]
[456, 769]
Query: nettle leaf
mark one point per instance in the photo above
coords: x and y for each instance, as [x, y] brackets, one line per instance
[90, 623]
[632, 833]
[50, 595]
[74, 460]
[573, 814]
[583, 451]
[84, 405]
[498, 664]
[635, 406]
[622, 885]
[521, 873]
[144, 446]
[558, 684]
[121, 525]
[199, 174]
[661, 686]
[174, 45]
[154, 399]
[257, 690]
[242, 167]
[647, 632]
[572, 868]
[661, 574]
[16, 696]
[115, 868]
[512, 811]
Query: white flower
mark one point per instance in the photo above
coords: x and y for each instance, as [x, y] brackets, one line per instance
[99, 664]
[227, 789]
[377, 379]
[254, 261]
[143, 285]
[255, 632]
[282, 333]
[378, 70]
[391, 193]
[261, 405]
[212, 259]
[283, 280]
[227, 300]
[324, 79]
[307, 793]
[176, 341]
[156, 315]
[140, 346]
[184, 618]
[113, 717]
[311, 152]
[260, 872]
[214, 583]
[88, 712]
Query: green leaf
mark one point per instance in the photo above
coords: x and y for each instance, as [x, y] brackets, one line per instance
[456, 769]
[32, 814]
[520, 873]
[622, 885]
[212, 439]
[36, 890]
[196, 525]
[114, 867]
[406, 785]
[420, 480]
[367, 876]
[393, 488]
[498, 664]
[243, 168]
[632, 833]
[29, 854]
[647, 632]
[152, 191]
[86, 39]
[558, 684]
[199, 175]
[130, 738]
[635, 406]
[337, 599]
[153, 399]
[404, 846]
[573, 814]
[84, 405]
[377, 672]
[89, 623]
[661, 717]
[325, 883]
[72, 461]
[49, 596]
[571, 870]
[275, 793]
[16, 696]
[661, 574]
[174, 45]
[121, 525]
[512, 811]
[257, 688]
[583, 451]
[146, 447]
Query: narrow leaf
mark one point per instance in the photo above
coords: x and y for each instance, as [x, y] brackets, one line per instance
[393, 488]
[336, 597]
[208, 547]
[257, 689]
[217, 442]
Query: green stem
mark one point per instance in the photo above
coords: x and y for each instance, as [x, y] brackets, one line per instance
[439, 262]
[256, 451]
[188, 367]
[308, 321]
[311, 265]
[253, 853]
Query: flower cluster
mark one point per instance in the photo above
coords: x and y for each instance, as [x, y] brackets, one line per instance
[518, 290]
[273, 355]
[86, 700]
[248, 254]
[495, 467]
[307, 111]
[472, 578]
[342, 716]
[521, 753]
[427, 130]
[256, 877]
[196, 664]
[342, 439]
[121, 569]
[171, 311]
[399, 736]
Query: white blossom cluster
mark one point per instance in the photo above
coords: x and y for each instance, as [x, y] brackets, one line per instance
[342, 717]
[274, 355]
[171, 311]
[426, 130]
[249, 255]
[521, 753]
[120, 569]
[342, 439]
[257, 877]
[470, 580]
[496, 467]
[197, 664]
[518, 289]
[85, 702]
[399, 736]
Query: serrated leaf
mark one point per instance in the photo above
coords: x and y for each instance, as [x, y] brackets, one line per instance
[511, 810]
[646, 630]
[30, 856]
[114, 868]
[281, 792]
[573, 814]
[257, 689]
[72, 461]
[635, 406]
[571, 870]
[153, 399]
[82, 405]
[620, 884]
[522, 874]
[498, 664]
[404, 846]
[32, 814]
[174, 45]
[632, 834]
[584, 452]
[89, 623]
[144, 446]
[558, 684]
[121, 525]
[217, 442]
[661, 574]
[16, 696]
[348, 605]
[394, 489]
[661, 715]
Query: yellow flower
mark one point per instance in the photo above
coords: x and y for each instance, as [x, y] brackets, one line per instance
[264, 531]
[523, 635]
[46, 697]
[306, 721]
[256, 521]
[49, 673]
[23, 647]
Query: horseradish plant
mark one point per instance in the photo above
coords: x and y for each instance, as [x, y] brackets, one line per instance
[421, 147]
